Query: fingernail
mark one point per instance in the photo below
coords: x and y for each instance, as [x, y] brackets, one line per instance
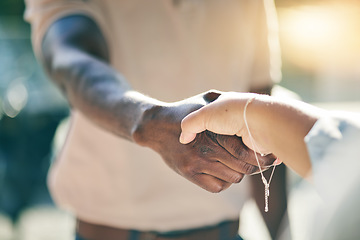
[181, 139]
[184, 138]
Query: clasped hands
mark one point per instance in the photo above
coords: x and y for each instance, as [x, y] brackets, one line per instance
[237, 157]
[211, 161]
[222, 161]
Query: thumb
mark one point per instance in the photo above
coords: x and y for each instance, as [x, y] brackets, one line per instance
[191, 125]
[186, 137]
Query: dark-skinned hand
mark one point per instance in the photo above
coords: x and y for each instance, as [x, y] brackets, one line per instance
[211, 161]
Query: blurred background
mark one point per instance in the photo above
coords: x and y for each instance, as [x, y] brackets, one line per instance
[30, 111]
[320, 41]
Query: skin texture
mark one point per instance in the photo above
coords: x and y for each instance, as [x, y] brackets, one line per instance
[276, 125]
[76, 57]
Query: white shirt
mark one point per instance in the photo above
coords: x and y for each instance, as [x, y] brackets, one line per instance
[334, 148]
[167, 51]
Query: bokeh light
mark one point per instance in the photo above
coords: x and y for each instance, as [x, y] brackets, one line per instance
[320, 43]
[314, 36]
[16, 98]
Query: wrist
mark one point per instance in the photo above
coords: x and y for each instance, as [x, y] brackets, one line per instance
[256, 119]
[144, 131]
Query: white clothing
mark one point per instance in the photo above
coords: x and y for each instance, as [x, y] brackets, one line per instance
[167, 51]
[334, 148]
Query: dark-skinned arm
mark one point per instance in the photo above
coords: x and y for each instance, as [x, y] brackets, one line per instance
[76, 57]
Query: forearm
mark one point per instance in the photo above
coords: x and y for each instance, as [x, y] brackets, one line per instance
[76, 56]
[99, 92]
[281, 127]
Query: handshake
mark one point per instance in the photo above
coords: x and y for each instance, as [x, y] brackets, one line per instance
[212, 161]
[222, 160]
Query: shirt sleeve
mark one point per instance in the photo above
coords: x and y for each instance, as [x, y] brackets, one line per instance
[334, 149]
[266, 68]
[42, 13]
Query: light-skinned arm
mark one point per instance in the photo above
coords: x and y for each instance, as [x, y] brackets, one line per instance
[276, 125]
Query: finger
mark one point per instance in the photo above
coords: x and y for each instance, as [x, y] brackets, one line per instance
[210, 183]
[213, 152]
[235, 146]
[267, 160]
[240, 166]
[191, 125]
[231, 162]
[186, 137]
[222, 172]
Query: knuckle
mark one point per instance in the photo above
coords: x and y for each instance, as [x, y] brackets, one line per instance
[249, 169]
[205, 150]
[236, 178]
[246, 168]
[188, 169]
[201, 145]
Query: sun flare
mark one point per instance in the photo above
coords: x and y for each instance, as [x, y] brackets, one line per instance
[314, 35]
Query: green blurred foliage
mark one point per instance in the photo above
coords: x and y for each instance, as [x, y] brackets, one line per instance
[11, 7]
